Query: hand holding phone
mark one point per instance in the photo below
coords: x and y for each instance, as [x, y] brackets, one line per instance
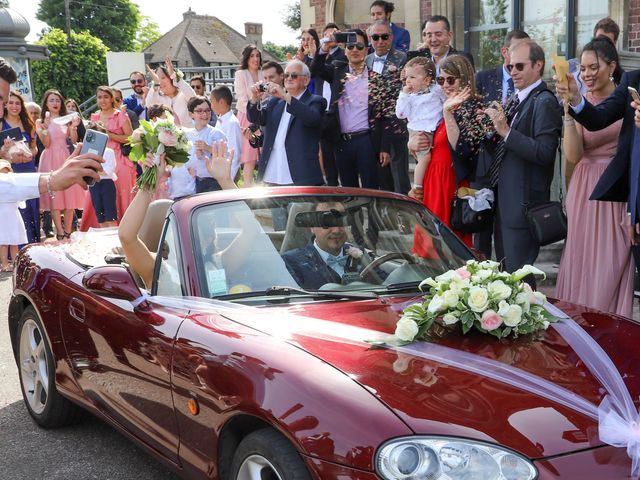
[634, 95]
[93, 142]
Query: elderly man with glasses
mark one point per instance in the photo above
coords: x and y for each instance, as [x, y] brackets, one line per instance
[135, 101]
[349, 113]
[292, 124]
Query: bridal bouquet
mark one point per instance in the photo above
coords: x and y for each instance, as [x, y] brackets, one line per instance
[477, 295]
[161, 136]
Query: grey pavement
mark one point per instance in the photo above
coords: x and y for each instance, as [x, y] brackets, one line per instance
[90, 450]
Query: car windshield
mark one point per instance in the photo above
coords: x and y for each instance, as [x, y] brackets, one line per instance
[319, 243]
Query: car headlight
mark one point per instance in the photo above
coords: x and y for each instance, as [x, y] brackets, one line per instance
[441, 458]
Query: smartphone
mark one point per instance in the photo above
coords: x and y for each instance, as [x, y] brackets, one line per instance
[345, 37]
[13, 133]
[93, 142]
[634, 94]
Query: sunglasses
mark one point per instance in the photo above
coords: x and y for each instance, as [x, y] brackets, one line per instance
[375, 37]
[448, 80]
[117, 99]
[293, 76]
[359, 46]
[139, 81]
[518, 66]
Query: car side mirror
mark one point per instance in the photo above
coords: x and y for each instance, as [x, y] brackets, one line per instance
[114, 281]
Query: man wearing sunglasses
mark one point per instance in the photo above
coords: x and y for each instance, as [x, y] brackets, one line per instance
[135, 101]
[349, 113]
[389, 133]
[528, 132]
[494, 85]
[292, 124]
[382, 10]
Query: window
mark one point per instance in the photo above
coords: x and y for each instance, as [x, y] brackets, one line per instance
[168, 263]
[488, 23]
[587, 15]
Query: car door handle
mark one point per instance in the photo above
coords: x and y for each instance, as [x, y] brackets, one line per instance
[76, 309]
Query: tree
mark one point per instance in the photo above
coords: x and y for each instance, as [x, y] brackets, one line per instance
[148, 33]
[291, 16]
[280, 51]
[115, 22]
[76, 72]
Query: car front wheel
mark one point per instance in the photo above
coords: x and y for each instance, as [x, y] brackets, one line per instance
[37, 376]
[267, 455]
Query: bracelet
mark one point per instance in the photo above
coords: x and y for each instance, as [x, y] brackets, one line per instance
[570, 123]
[416, 185]
[50, 192]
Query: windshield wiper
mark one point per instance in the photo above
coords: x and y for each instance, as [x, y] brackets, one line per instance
[403, 287]
[293, 291]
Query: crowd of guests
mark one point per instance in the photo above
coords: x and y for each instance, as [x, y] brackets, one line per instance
[351, 108]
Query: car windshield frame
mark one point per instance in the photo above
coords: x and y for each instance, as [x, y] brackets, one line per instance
[431, 225]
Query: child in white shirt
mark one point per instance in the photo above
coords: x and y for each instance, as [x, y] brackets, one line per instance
[221, 100]
[12, 233]
[103, 193]
[420, 103]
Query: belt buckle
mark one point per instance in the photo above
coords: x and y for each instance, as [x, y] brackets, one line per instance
[346, 137]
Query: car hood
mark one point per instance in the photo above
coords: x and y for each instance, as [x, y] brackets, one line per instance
[434, 398]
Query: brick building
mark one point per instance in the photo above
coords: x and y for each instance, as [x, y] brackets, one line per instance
[560, 26]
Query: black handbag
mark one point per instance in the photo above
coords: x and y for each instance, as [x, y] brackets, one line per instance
[547, 222]
[465, 219]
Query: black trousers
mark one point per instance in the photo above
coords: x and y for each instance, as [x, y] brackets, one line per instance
[356, 158]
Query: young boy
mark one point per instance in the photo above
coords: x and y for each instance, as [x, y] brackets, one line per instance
[221, 99]
[202, 137]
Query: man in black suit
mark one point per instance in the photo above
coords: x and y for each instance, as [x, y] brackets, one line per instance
[524, 157]
[292, 121]
[348, 115]
[329, 259]
[327, 146]
[389, 133]
[437, 37]
[494, 84]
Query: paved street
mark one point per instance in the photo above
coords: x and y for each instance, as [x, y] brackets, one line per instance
[92, 450]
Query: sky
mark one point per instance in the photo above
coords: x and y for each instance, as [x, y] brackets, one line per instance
[168, 14]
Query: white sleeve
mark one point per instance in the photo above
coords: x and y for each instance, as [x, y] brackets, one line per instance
[185, 88]
[403, 105]
[18, 187]
[235, 142]
[109, 165]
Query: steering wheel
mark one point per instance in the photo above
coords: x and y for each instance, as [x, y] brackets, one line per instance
[387, 257]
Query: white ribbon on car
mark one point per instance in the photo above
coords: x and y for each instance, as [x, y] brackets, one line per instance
[480, 200]
[618, 419]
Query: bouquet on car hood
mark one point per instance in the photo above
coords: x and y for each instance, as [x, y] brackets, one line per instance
[161, 136]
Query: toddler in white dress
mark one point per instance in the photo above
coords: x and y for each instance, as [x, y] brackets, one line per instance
[420, 102]
[12, 233]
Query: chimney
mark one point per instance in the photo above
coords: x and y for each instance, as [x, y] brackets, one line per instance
[188, 13]
[253, 32]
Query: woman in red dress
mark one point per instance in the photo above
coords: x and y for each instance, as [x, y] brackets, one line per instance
[455, 142]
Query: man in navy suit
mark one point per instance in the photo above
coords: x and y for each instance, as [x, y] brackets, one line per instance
[382, 10]
[329, 259]
[493, 84]
[135, 101]
[292, 119]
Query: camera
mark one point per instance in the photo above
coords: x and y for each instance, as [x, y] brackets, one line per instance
[345, 37]
[263, 87]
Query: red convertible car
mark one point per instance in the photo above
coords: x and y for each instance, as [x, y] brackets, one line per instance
[247, 358]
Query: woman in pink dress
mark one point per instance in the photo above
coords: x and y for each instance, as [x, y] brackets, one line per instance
[248, 75]
[54, 138]
[596, 269]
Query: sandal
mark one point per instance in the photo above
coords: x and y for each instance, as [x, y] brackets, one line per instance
[59, 236]
[67, 235]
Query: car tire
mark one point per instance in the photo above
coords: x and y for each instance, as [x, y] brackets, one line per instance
[266, 454]
[36, 369]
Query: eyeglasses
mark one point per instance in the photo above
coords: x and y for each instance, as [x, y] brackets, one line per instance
[139, 81]
[117, 99]
[201, 110]
[518, 66]
[359, 46]
[293, 76]
[197, 87]
[448, 80]
[375, 37]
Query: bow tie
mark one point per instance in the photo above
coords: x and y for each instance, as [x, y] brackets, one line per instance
[334, 261]
[379, 59]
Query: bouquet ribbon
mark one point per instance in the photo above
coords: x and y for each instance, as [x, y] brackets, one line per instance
[618, 420]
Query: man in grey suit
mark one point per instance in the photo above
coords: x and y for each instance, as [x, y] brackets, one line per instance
[389, 134]
[528, 133]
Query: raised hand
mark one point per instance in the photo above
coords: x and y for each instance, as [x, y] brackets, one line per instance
[154, 76]
[169, 64]
[219, 165]
[456, 100]
[569, 89]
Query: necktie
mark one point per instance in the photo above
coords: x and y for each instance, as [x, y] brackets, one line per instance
[510, 91]
[498, 156]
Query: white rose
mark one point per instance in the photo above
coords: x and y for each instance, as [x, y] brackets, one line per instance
[481, 275]
[529, 291]
[436, 304]
[499, 290]
[522, 299]
[446, 276]
[450, 299]
[406, 329]
[490, 264]
[512, 316]
[450, 319]
[478, 299]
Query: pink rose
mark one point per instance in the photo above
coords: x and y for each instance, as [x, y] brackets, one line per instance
[167, 138]
[490, 320]
[463, 273]
[136, 136]
[354, 252]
